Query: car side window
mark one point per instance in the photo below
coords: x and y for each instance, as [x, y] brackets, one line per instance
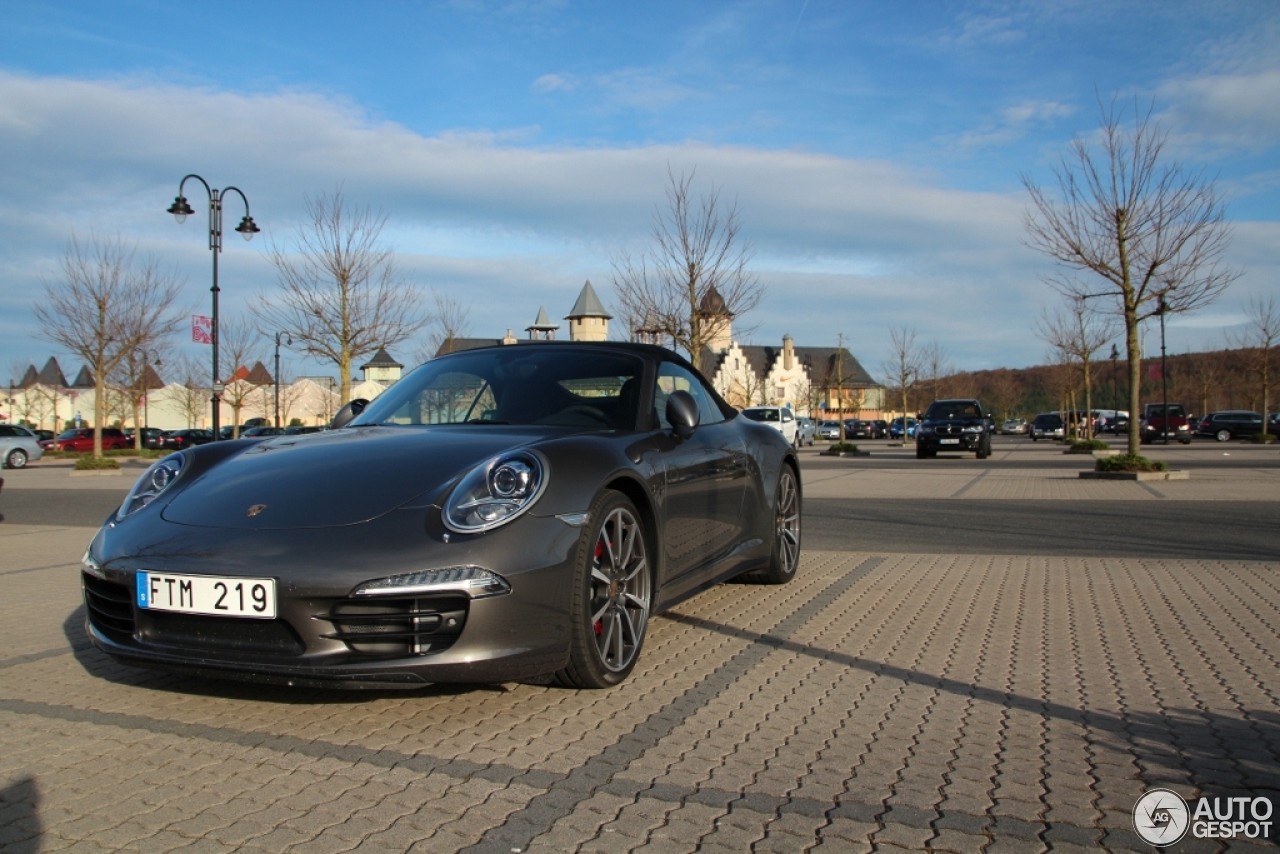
[672, 378]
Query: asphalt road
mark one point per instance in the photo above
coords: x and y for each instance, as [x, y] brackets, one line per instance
[72, 507]
[1205, 530]
[1202, 530]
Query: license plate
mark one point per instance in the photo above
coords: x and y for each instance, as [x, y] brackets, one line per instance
[948, 441]
[207, 594]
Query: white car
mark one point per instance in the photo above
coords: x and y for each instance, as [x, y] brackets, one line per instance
[18, 445]
[779, 418]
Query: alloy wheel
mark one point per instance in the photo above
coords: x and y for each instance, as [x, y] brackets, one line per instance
[621, 590]
[787, 523]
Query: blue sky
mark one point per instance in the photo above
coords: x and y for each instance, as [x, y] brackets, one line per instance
[874, 149]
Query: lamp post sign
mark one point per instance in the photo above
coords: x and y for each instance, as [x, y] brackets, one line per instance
[247, 228]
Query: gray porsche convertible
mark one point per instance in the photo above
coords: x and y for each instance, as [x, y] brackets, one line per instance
[498, 514]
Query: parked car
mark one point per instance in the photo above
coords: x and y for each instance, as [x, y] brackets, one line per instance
[829, 430]
[807, 430]
[261, 432]
[895, 428]
[1015, 426]
[954, 425]
[177, 440]
[1046, 425]
[859, 429]
[881, 428]
[529, 527]
[779, 418]
[81, 440]
[18, 446]
[1230, 424]
[1157, 423]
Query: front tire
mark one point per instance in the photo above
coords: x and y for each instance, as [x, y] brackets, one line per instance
[611, 598]
[17, 459]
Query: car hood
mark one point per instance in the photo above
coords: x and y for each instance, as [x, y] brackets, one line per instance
[342, 477]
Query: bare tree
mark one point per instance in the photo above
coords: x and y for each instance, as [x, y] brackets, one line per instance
[935, 365]
[1150, 232]
[695, 279]
[341, 296]
[1077, 334]
[192, 394]
[241, 346]
[105, 304]
[449, 322]
[902, 367]
[1258, 345]
[1002, 389]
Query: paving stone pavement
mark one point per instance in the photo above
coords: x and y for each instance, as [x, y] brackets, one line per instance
[879, 702]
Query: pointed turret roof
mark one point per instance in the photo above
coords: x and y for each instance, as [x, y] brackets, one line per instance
[84, 379]
[381, 359]
[51, 375]
[30, 378]
[712, 303]
[588, 305]
[150, 379]
[543, 323]
[259, 375]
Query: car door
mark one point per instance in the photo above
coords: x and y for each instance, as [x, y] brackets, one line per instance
[705, 479]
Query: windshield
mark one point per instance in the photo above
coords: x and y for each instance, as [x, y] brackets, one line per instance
[761, 414]
[941, 410]
[516, 384]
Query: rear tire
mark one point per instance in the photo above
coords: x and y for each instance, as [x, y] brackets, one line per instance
[786, 533]
[611, 597]
[1223, 435]
[17, 459]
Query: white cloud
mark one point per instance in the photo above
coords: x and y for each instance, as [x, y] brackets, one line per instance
[847, 245]
[548, 83]
[1240, 111]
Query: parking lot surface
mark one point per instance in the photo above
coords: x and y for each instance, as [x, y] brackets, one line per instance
[882, 701]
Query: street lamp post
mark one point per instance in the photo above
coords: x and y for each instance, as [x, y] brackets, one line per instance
[181, 210]
[288, 339]
[140, 434]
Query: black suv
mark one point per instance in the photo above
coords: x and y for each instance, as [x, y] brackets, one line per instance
[954, 425]
[1230, 424]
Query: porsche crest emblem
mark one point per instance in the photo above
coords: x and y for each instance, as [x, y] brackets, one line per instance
[255, 510]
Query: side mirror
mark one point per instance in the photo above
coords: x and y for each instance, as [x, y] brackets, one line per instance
[348, 412]
[682, 414]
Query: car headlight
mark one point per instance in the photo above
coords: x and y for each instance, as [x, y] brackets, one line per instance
[154, 481]
[972, 430]
[924, 431]
[494, 493]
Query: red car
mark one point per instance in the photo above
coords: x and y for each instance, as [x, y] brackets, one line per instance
[82, 440]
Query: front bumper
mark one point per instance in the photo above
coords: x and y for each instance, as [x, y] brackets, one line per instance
[323, 634]
[970, 442]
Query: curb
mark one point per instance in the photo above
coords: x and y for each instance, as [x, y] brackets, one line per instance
[1136, 475]
[97, 473]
